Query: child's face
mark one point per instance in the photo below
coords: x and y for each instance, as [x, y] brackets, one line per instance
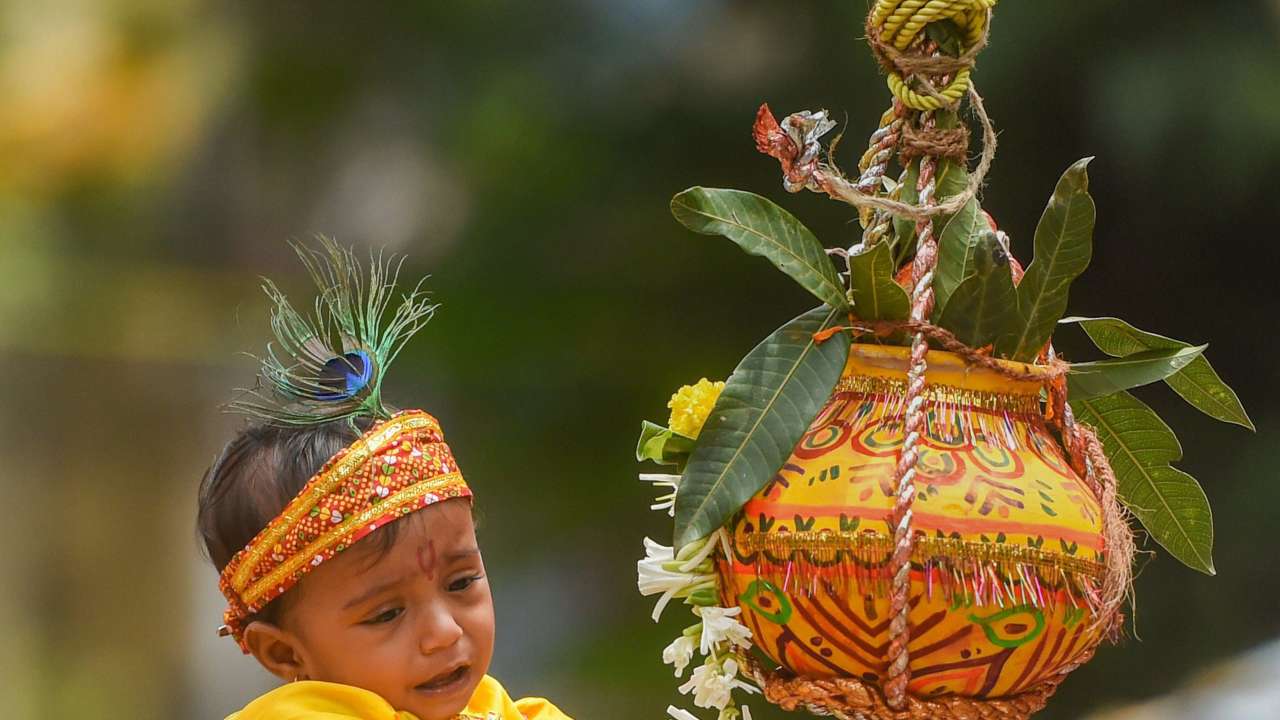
[414, 625]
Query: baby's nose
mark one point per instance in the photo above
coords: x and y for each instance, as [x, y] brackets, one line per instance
[437, 629]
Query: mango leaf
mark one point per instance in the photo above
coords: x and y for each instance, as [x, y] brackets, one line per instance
[956, 244]
[952, 179]
[1105, 377]
[1197, 383]
[762, 228]
[1168, 502]
[661, 445]
[871, 287]
[1063, 248]
[763, 411]
[904, 230]
[984, 306]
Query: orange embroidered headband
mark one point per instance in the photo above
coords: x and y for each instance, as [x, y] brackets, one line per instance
[398, 466]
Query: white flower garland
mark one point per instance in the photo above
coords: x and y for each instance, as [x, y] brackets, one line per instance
[691, 576]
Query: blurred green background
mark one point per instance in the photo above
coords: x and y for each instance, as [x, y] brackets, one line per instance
[158, 153]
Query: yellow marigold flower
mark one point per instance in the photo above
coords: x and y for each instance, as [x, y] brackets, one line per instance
[691, 405]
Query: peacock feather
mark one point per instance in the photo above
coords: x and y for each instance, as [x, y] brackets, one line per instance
[330, 365]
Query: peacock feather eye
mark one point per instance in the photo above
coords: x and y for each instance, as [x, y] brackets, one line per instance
[345, 376]
[328, 364]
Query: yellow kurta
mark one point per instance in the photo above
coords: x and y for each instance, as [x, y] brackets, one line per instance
[311, 700]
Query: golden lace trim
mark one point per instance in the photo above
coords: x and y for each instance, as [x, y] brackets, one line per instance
[322, 485]
[823, 546]
[962, 571]
[388, 506]
[1024, 404]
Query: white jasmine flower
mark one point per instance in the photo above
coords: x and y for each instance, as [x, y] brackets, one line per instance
[712, 684]
[708, 686]
[679, 653]
[654, 577]
[746, 713]
[679, 714]
[731, 671]
[701, 553]
[663, 502]
[721, 625]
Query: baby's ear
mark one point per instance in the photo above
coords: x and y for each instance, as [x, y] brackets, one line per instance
[276, 649]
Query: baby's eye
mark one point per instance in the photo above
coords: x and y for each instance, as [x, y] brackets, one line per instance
[464, 582]
[385, 616]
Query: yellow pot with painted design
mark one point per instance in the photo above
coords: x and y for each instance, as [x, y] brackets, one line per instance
[1009, 554]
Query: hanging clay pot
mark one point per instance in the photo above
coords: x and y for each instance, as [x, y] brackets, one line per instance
[1009, 554]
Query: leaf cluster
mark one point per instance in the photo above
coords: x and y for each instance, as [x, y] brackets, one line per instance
[779, 387]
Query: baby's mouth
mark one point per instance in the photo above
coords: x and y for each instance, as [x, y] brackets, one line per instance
[445, 682]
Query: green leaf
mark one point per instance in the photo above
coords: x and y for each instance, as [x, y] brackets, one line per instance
[1063, 248]
[1197, 383]
[871, 287]
[956, 244]
[762, 228]
[904, 230]
[984, 306]
[1168, 502]
[764, 410]
[661, 445]
[952, 179]
[1105, 377]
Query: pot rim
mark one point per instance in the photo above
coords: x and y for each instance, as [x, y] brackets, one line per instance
[944, 368]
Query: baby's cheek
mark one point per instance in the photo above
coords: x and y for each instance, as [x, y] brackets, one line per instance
[373, 661]
[480, 629]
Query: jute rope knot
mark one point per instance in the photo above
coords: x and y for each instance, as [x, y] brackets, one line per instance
[894, 31]
[952, 144]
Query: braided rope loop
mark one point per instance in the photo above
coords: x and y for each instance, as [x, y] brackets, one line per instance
[895, 25]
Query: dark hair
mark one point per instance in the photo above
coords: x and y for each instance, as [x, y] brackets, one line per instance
[254, 478]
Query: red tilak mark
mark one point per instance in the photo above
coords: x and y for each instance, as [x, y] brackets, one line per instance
[427, 559]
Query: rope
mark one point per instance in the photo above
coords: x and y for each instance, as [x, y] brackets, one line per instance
[952, 144]
[802, 168]
[900, 24]
[875, 161]
[922, 300]
[854, 699]
[895, 25]
[1117, 584]
[881, 222]
[1051, 371]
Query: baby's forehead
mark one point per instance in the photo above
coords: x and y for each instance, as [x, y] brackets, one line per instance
[444, 530]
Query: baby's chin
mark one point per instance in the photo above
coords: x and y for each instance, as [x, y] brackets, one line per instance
[442, 698]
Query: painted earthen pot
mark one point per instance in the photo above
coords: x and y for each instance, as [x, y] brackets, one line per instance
[1009, 550]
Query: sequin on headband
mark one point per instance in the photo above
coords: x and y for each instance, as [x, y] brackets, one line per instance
[399, 466]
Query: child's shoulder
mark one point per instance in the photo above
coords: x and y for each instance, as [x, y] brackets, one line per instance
[311, 699]
[315, 700]
[491, 702]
